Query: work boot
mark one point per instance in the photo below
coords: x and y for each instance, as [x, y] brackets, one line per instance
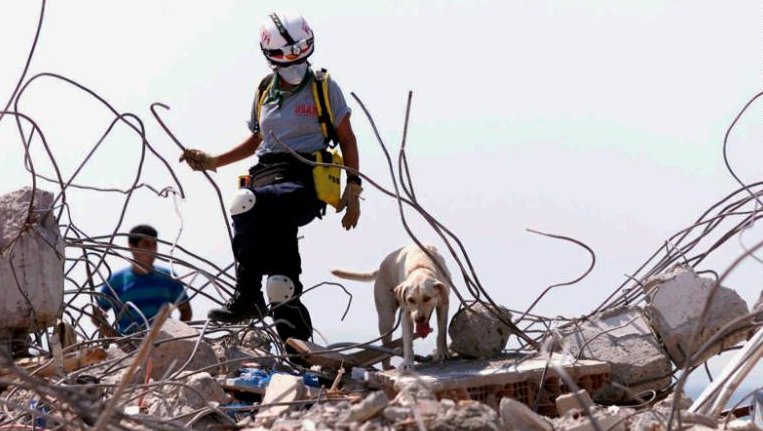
[240, 307]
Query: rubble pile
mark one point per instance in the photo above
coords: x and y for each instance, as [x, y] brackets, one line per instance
[614, 369]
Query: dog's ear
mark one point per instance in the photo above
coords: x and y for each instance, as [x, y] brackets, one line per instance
[442, 289]
[400, 290]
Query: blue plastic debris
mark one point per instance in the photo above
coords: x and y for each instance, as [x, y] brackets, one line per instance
[258, 379]
[311, 380]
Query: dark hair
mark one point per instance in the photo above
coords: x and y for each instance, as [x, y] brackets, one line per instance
[139, 232]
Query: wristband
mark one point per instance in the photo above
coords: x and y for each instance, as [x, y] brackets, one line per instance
[354, 179]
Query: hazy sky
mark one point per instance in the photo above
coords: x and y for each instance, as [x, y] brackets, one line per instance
[598, 120]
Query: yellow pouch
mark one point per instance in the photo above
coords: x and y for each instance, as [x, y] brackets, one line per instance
[328, 180]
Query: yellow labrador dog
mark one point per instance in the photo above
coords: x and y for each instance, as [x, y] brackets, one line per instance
[409, 279]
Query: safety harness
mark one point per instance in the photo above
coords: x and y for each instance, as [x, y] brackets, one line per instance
[327, 180]
[320, 88]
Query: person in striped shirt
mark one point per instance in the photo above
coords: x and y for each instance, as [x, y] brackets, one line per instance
[142, 286]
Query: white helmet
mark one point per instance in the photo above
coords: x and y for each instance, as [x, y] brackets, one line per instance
[286, 39]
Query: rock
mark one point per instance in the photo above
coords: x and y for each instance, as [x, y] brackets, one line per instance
[567, 402]
[397, 414]
[199, 389]
[31, 261]
[476, 331]
[282, 388]
[374, 403]
[516, 416]
[675, 302]
[175, 353]
[623, 338]
[412, 391]
[611, 418]
[467, 416]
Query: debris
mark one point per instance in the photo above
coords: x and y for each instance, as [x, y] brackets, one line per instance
[374, 403]
[516, 416]
[623, 338]
[714, 398]
[611, 418]
[317, 355]
[476, 330]
[567, 402]
[283, 388]
[179, 348]
[31, 261]
[44, 367]
[488, 381]
[676, 300]
[467, 415]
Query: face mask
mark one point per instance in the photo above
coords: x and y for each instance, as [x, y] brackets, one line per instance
[292, 74]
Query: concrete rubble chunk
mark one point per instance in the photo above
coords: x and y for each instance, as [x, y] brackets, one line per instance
[31, 261]
[369, 407]
[516, 416]
[397, 413]
[166, 355]
[478, 332]
[199, 389]
[571, 401]
[623, 338]
[675, 302]
[612, 418]
[469, 416]
[283, 388]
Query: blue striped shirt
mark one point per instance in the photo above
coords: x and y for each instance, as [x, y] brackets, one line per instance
[148, 292]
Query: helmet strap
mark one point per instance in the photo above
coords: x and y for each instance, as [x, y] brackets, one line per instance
[281, 29]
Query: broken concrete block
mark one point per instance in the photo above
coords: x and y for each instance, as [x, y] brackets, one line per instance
[283, 388]
[467, 415]
[31, 261]
[174, 346]
[572, 401]
[478, 332]
[199, 389]
[516, 416]
[369, 407]
[612, 418]
[675, 302]
[623, 338]
[397, 414]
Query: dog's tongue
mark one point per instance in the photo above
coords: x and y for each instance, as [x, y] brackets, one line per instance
[423, 329]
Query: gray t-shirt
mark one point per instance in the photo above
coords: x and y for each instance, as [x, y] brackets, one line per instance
[295, 121]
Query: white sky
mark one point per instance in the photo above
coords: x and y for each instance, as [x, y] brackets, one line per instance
[598, 120]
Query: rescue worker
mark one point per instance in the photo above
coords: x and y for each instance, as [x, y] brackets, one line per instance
[280, 196]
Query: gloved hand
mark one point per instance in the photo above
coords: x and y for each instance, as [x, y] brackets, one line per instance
[351, 201]
[199, 160]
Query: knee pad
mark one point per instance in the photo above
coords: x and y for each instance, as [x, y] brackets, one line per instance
[242, 201]
[279, 288]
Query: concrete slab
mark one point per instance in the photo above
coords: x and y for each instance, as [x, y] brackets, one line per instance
[488, 381]
[31, 261]
[675, 303]
[624, 339]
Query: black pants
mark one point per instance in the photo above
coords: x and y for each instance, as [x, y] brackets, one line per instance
[265, 239]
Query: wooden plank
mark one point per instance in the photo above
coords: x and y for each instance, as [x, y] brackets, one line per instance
[333, 360]
[44, 367]
[368, 357]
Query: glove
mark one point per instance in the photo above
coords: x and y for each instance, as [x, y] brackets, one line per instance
[199, 160]
[351, 201]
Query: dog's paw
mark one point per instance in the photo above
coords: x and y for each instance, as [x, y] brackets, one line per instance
[440, 355]
[406, 366]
